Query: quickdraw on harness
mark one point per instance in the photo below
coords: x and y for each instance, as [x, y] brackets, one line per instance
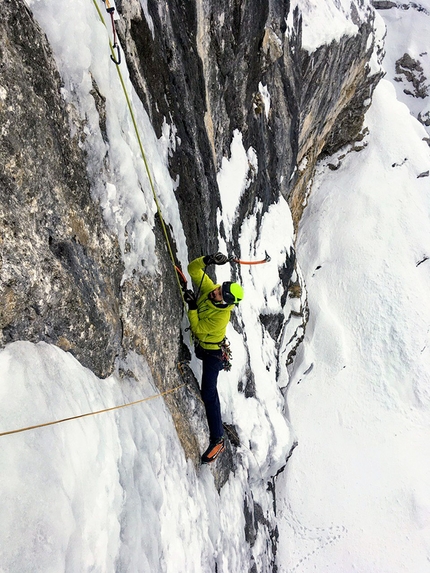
[227, 355]
[110, 9]
[223, 347]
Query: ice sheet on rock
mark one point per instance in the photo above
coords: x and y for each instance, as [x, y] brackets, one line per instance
[259, 419]
[115, 166]
[324, 22]
[234, 178]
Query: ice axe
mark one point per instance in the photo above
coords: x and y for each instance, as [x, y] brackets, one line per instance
[182, 278]
[231, 259]
[240, 262]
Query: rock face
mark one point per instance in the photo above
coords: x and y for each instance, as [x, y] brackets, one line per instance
[413, 73]
[201, 66]
[61, 269]
[61, 266]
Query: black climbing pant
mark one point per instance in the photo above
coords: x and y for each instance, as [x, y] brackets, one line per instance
[212, 364]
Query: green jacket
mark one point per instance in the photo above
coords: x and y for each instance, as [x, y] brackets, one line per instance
[208, 323]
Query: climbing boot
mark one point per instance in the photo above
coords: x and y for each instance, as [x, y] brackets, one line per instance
[213, 451]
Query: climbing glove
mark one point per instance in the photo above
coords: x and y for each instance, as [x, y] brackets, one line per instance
[215, 259]
[190, 299]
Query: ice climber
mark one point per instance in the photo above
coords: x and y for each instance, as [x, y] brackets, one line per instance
[209, 313]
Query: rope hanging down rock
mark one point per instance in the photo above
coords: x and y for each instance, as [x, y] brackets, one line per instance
[143, 154]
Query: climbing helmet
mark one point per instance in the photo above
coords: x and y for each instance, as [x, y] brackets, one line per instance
[232, 293]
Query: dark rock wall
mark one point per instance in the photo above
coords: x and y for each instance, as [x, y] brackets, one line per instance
[200, 69]
[60, 268]
[336, 89]
[168, 76]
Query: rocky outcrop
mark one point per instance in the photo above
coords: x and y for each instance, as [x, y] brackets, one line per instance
[412, 72]
[60, 267]
[336, 85]
[201, 69]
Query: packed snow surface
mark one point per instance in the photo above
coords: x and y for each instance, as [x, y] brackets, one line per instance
[355, 493]
[325, 22]
[103, 493]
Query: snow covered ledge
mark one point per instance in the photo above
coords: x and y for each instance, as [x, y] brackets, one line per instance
[339, 67]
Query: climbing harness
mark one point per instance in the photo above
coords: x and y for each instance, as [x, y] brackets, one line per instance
[111, 11]
[226, 356]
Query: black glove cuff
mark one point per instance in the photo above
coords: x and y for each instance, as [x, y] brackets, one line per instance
[190, 299]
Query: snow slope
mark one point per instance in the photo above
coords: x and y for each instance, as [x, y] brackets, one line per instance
[104, 493]
[355, 494]
[408, 28]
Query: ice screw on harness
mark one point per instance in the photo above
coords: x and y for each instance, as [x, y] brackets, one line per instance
[227, 355]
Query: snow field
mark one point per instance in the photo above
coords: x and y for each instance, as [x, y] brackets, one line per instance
[105, 492]
[360, 414]
[48, 475]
